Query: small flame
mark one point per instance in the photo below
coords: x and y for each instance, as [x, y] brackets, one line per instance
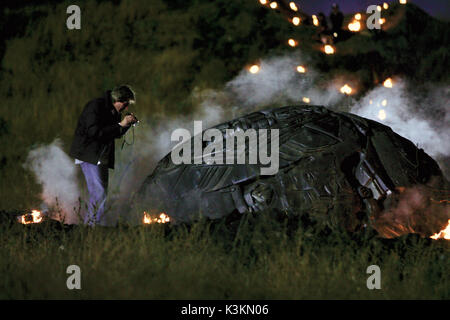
[388, 83]
[34, 217]
[292, 43]
[315, 20]
[301, 69]
[346, 89]
[382, 21]
[385, 6]
[263, 2]
[382, 114]
[354, 26]
[296, 21]
[329, 49]
[384, 103]
[293, 6]
[379, 8]
[162, 218]
[403, 1]
[443, 234]
[254, 69]
[306, 100]
[358, 16]
[274, 5]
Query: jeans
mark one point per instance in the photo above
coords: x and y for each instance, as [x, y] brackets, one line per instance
[97, 183]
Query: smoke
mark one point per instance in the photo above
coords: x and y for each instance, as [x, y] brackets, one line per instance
[56, 172]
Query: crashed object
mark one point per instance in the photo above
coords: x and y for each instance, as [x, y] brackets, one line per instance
[336, 168]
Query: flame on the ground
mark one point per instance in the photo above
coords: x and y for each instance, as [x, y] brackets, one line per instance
[381, 114]
[296, 21]
[354, 26]
[379, 8]
[403, 1]
[315, 20]
[34, 217]
[293, 6]
[292, 42]
[443, 234]
[263, 2]
[358, 16]
[385, 6]
[254, 69]
[301, 69]
[274, 5]
[346, 89]
[382, 21]
[329, 49]
[384, 103]
[162, 218]
[306, 100]
[388, 83]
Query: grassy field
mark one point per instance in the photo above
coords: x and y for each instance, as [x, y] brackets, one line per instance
[258, 258]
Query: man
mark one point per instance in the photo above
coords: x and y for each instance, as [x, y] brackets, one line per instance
[93, 144]
[337, 19]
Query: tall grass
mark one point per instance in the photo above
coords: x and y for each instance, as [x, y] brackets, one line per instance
[260, 259]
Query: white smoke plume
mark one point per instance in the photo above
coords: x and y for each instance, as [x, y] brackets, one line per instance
[56, 172]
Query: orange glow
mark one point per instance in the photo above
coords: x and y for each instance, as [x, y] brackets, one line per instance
[274, 5]
[354, 26]
[263, 2]
[292, 42]
[315, 20]
[346, 89]
[296, 21]
[403, 1]
[379, 8]
[382, 20]
[254, 69]
[358, 16]
[385, 6]
[306, 100]
[301, 69]
[329, 49]
[388, 83]
[293, 6]
[162, 218]
[34, 217]
[443, 234]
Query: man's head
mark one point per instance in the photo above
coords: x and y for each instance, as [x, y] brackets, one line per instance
[122, 96]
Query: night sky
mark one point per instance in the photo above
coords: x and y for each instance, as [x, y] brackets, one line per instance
[436, 8]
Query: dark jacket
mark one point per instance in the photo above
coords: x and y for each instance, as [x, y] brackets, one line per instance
[96, 130]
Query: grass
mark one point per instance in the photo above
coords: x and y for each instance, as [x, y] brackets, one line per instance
[259, 259]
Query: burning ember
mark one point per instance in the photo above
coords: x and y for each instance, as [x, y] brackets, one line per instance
[403, 1]
[388, 83]
[315, 20]
[358, 16]
[293, 6]
[346, 89]
[34, 217]
[354, 26]
[254, 69]
[163, 218]
[301, 69]
[306, 100]
[329, 49]
[295, 21]
[292, 43]
[274, 5]
[382, 114]
[443, 234]
[382, 20]
[263, 2]
[385, 6]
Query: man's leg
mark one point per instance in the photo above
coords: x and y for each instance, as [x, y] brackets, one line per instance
[97, 184]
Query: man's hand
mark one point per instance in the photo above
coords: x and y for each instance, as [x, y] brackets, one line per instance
[128, 120]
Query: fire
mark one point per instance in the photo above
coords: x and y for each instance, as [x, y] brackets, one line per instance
[329, 49]
[34, 217]
[443, 234]
[306, 100]
[315, 20]
[163, 218]
[354, 26]
[403, 1]
[385, 6]
[388, 83]
[254, 69]
[379, 8]
[384, 103]
[382, 20]
[263, 2]
[292, 42]
[346, 89]
[274, 5]
[301, 69]
[296, 21]
[358, 16]
[382, 114]
[293, 6]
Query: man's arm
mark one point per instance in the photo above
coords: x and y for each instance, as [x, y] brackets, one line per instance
[95, 131]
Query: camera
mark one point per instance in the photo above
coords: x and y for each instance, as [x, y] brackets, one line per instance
[132, 114]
